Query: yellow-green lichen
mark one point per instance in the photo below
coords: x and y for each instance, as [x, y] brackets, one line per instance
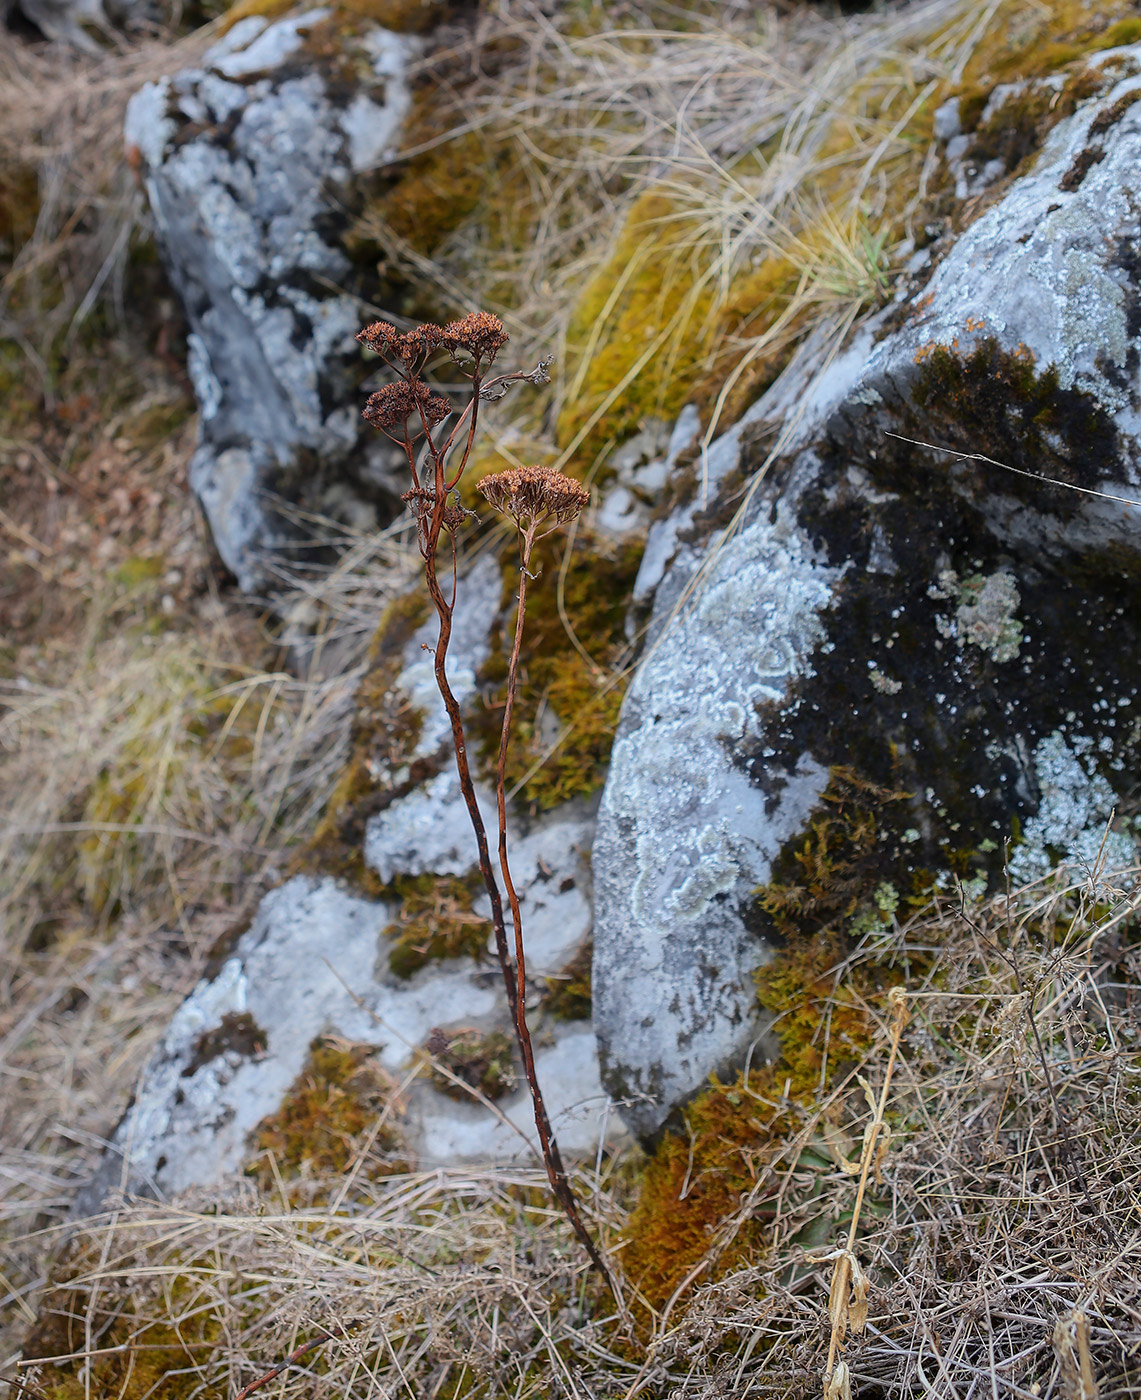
[328, 1118]
[435, 920]
[567, 707]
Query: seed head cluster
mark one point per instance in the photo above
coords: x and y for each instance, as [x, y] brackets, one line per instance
[410, 347]
[531, 495]
[481, 334]
[398, 402]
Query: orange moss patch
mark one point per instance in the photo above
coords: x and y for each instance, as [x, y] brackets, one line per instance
[327, 1118]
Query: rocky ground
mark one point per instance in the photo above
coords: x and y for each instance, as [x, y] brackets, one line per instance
[823, 773]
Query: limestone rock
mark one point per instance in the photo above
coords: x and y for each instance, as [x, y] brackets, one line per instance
[316, 962]
[919, 622]
[248, 163]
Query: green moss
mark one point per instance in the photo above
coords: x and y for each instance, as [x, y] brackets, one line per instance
[161, 1344]
[138, 570]
[999, 402]
[558, 686]
[384, 732]
[327, 1118]
[481, 1060]
[822, 878]
[435, 920]
[569, 996]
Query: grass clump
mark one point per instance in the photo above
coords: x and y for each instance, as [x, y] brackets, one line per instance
[336, 1114]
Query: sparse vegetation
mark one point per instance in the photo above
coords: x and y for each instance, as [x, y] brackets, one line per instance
[163, 764]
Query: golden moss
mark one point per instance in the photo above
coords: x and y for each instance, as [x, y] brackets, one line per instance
[402, 16]
[162, 1346]
[435, 921]
[650, 290]
[327, 1119]
[569, 995]
[823, 1022]
[558, 685]
[384, 731]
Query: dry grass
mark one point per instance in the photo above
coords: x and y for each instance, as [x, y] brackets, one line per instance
[997, 1252]
[764, 139]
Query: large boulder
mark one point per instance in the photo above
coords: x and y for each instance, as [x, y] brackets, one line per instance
[953, 639]
[370, 968]
[249, 163]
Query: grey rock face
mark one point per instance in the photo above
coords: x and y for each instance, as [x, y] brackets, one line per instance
[245, 162]
[69, 21]
[316, 962]
[929, 625]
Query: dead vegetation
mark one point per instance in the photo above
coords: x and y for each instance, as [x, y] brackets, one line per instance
[159, 760]
[997, 1251]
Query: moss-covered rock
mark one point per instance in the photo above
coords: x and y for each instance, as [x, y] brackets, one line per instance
[339, 1112]
[901, 614]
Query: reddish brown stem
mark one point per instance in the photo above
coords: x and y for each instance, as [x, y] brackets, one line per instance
[552, 1157]
[293, 1356]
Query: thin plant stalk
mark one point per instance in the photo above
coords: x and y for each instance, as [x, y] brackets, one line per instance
[554, 499]
[552, 1157]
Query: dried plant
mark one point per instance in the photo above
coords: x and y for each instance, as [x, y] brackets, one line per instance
[538, 500]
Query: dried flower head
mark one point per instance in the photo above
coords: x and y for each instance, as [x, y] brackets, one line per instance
[421, 502]
[531, 495]
[481, 334]
[398, 402]
[411, 347]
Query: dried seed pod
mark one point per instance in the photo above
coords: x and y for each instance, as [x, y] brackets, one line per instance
[532, 495]
[398, 402]
[481, 334]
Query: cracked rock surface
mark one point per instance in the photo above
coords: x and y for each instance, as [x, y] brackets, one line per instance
[248, 163]
[882, 611]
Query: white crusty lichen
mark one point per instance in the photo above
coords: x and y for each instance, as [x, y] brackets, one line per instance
[985, 615]
[1075, 807]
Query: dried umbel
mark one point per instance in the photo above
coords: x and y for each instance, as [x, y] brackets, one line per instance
[411, 348]
[480, 334]
[407, 398]
[535, 496]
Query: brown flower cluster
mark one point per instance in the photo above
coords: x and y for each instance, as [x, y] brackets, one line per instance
[411, 347]
[398, 402]
[531, 495]
[422, 503]
[481, 334]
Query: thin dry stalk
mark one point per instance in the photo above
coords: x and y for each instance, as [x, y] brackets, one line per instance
[848, 1293]
[411, 416]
